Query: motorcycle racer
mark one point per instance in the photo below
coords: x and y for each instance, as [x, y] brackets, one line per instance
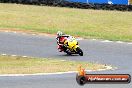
[61, 37]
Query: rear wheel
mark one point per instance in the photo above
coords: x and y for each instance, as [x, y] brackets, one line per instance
[79, 51]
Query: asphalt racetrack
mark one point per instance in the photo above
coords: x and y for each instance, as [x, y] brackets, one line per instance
[117, 54]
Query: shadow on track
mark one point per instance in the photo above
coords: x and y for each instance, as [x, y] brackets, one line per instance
[65, 55]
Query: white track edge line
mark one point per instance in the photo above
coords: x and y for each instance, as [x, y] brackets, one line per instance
[56, 73]
[106, 41]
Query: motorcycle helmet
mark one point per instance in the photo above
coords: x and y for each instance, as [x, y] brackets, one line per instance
[59, 33]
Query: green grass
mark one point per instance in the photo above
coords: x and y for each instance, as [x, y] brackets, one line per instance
[21, 65]
[112, 25]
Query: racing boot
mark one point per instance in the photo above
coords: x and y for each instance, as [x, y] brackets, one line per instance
[60, 48]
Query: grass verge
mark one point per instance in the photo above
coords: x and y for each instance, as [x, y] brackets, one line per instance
[111, 25]
[22, 65]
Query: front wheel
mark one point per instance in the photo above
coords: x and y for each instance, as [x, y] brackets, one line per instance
[79, 51]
